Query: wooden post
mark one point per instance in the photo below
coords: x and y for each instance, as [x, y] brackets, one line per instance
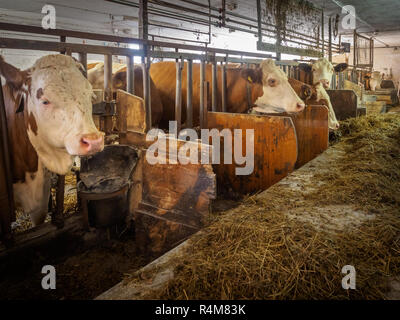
[130, 75]
[178, 95]
[189, 107]
[202, 102]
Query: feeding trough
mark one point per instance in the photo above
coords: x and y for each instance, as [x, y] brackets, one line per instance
[104, 184]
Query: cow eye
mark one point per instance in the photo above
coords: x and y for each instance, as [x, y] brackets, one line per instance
[272, 82]
[45, 102]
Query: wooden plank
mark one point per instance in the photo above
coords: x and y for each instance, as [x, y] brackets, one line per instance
[312, 133]
[344, 103]
[134, 116]
[275, 150]
[169, 201]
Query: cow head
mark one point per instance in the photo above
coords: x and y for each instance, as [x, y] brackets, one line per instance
[278, 95]
[59, 110]
[322, 71]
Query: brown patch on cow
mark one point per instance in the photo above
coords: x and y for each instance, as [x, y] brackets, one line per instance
[39, 93]
[32, 123]
[23, 156]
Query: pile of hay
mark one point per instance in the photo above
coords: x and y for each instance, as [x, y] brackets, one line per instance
[23, 221]
[291, 241]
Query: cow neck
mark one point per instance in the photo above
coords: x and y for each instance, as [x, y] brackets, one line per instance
[56, 160]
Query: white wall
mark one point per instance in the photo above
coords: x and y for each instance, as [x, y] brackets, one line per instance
[387, 59]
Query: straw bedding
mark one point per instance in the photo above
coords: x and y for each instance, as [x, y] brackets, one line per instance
[291, 241]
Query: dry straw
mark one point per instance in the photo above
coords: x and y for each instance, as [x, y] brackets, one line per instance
[292, 241]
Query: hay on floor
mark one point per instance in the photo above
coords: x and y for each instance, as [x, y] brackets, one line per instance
[292, 241]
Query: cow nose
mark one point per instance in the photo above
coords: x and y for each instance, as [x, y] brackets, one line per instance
[325, 83]
[91, 143]
[337, 126]
[300, 106]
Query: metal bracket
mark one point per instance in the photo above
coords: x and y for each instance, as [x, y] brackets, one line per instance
[104, 108]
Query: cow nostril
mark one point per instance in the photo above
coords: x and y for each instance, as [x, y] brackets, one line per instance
[300, 106]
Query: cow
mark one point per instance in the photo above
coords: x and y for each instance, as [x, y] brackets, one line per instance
[49, 121]
[374, 80]
[265, 87]
[319, 76]
[96, 78]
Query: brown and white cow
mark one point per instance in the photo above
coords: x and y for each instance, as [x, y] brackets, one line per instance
[96, 78]
[49, 120]
[321, 72]
[267, 87]
[374, 80]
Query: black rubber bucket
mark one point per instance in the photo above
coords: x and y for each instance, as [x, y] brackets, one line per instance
[106, 177]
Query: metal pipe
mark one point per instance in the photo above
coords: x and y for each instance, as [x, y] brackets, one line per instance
[202, 102]
[259, 20]
[223, 87]
[146, 93]
[178, 95]
[323, 33]
[6, 217]
[330, 39]
[189, 107]
[108, 77]
[214, 86]
[102, 37]
[83, 60]
[130, 75]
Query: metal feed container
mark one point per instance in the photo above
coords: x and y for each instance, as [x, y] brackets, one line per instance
[104, 184]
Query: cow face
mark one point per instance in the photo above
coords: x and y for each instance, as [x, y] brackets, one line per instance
[322, 71]
[59, 110]
[278, 95]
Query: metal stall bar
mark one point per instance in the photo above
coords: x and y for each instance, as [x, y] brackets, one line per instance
[178, 95]
[214, 71]
[82, 57]
[189, 107]
[7, 210]
[202, 102]
[223, 85]
[130, 75]
[146, 92]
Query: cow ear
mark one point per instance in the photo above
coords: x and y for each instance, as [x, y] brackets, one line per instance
[341, 67]
[305, 67]
[252, 75]
[14, 76]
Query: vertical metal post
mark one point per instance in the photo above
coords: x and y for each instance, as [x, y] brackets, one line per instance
[108, 95]
[355, 49]
[146, 92]
[130, 75]
[202, 102]
[323, 33]
[7, 210]
[214, 86]
[259, 25]
[178, 95]
[83, 60]
[330, 39]
[189, 108]
[205, 99]
[143, 20]
[223, 87]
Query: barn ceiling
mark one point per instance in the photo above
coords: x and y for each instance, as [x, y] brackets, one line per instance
[378, 18]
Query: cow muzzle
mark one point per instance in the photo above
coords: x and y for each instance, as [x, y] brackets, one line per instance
[325, 83]
[91, 143]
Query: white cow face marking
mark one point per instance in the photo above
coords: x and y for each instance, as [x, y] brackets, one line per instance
[60, 103]
[322, 72]
[278, 94]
